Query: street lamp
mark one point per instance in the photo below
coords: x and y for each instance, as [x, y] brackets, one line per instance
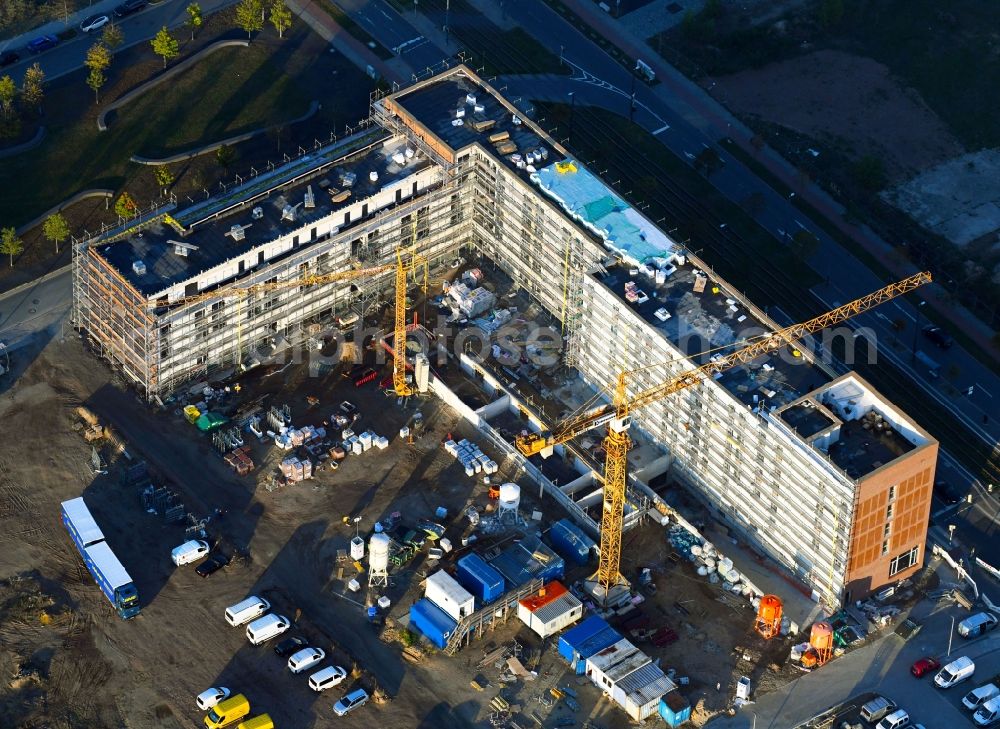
[572, 111]
[951, 533]
[916, 328]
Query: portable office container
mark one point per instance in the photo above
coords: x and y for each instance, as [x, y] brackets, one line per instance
[674, 709]
[430, 621]
[571, 542]
[453, 599]
[580, 643]
[476, 576]
[642, 689]
[527, 560]
[551, 610]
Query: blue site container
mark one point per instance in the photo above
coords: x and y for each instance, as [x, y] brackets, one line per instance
[588, 638]
[571, 541]
[432, 622]
[674, 709]
[475, 575]
[527, 560]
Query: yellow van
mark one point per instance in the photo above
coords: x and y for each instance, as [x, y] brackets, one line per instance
[228, 712]
[258, 722]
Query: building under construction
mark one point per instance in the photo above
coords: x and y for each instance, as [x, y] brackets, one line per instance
[816, 470]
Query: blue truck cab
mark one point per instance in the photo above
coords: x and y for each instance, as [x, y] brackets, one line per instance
[107, 571]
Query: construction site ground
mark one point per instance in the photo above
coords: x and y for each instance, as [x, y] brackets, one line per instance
[73, 663]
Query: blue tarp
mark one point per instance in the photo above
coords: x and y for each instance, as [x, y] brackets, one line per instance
[571, 541]
[585, 640]
[476, 576]
[431, 621]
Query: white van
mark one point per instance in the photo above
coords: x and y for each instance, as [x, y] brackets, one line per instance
[246, 610]
[977, 697]
[876, 708]
[977, 625]
[989, 713]
[896, 720]
[270, 626]
[955, 672]
[327, 678]
[189, 552]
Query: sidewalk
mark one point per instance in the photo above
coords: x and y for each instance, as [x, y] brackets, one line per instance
[718, 122]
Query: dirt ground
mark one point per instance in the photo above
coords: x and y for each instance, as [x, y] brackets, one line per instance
[849, 101]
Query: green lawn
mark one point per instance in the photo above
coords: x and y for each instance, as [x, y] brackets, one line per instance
[231, 91]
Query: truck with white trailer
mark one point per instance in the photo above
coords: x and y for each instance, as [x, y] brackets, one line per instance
[108, 572]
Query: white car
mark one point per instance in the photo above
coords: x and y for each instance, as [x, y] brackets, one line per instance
[210, 697]
[189, 552]
[304, 659]
[327, 678]
[94, 22]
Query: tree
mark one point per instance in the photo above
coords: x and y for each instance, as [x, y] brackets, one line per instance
[164, 177]
[8, 92]
[194, 20]
[250, 15]
[281, 17]
[56, 229]
[225, 156]
[10, 244]
[98, 59]
[32, 91]
[112, 36]
[95, 80]
[125, 206]
[165, 45]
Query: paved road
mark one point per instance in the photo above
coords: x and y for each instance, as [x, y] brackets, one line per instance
[687, 133]
[881, 667]
[34, 307]
[394, 31]
[69, 55]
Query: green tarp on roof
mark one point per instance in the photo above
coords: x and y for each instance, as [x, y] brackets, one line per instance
[597, 209]
[209, 421]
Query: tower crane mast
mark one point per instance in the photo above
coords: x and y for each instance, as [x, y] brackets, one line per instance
[617, 414]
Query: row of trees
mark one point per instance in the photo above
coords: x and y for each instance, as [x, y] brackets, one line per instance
[55, 229]
[13, 100]
[250, 16]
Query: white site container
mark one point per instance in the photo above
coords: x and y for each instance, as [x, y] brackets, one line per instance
[357, 448]
[453, 599]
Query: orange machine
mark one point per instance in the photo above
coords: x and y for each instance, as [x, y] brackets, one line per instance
[768, 622]
[821, 641]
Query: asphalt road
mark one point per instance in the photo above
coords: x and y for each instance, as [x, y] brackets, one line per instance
[69, 55]
[394, 31]
[881, 667]
[34, 308]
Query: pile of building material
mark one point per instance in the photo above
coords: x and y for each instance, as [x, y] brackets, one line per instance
[92, 429]
[287, 438]
[358, 443]
[240, 461]
[470, 301]
[472, 458]
[294, 469]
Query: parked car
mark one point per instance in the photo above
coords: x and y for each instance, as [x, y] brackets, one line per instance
[190, 551]
[896, 720]
[94, 22]
[327, 678]
[924, 666]
[130, 6]
[210, 697]
[305, 659]
[979, 696]
[350, 702]
[270, 626]
[213, 564]
[989, 713]
[43, 43]
[9, 58]
[955, 672]
[290, 645]
[938, 335]
[246, 610]
[977, 625]
[876, 708]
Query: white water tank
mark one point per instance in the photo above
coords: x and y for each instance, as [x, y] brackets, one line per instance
[378, 553]
[357, 548]
[510, 496]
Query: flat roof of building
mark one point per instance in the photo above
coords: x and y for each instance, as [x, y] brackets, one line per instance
[211, 244]
[806, 419]
[699, 322]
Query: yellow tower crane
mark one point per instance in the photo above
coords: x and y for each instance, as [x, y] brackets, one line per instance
[404, 265]
[618, 414]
